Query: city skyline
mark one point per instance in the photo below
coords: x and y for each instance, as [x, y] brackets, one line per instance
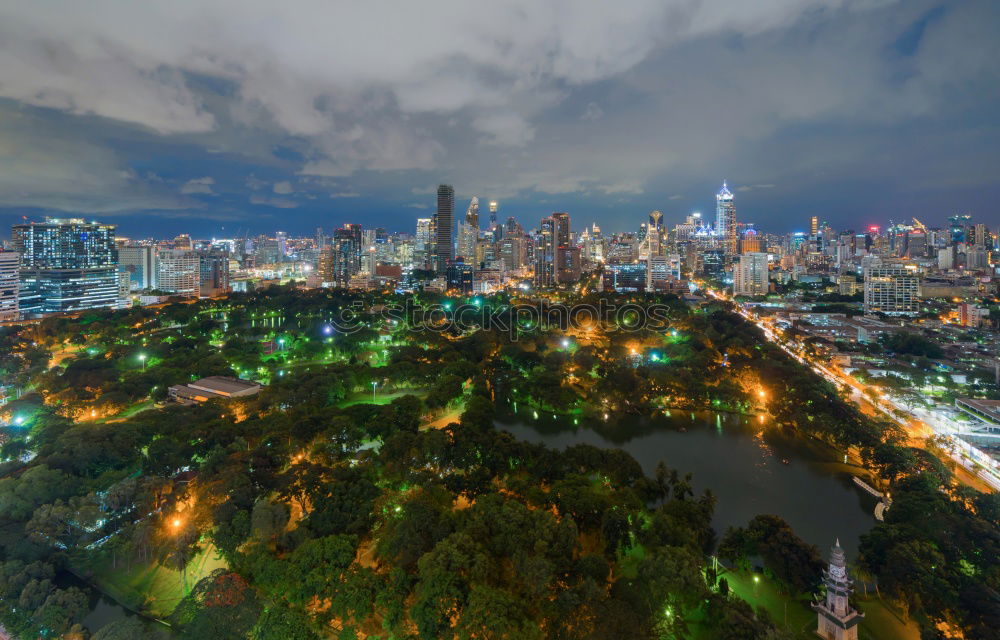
[856, 113]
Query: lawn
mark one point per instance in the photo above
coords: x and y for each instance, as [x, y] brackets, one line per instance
[880, 620]
[149, 588]
[365, 397]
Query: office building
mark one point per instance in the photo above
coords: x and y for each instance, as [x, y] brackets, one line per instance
[67, 264]
[179, 271]
[725, 220]
[10, 284]
[213, 268]
[892, 289]
[468, 232]
[545, 253]
[624, 277]
[444, 225]
[750, 275]
[566, 254]
[139, 261]
[459, 276]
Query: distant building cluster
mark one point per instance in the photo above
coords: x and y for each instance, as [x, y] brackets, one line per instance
[65, 265]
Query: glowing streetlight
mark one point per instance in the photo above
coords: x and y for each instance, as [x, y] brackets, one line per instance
[175, 523]
[565, 343]
[142, 359]
[374, 384]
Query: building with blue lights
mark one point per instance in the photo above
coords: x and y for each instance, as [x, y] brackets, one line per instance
[67, 264]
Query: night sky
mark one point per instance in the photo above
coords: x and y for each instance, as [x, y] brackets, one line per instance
[222, 117]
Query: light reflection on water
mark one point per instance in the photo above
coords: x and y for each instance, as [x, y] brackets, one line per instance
[751, 468]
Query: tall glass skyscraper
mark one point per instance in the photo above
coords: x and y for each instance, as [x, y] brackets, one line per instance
[725, 220]
[67, 264]
[444, 218]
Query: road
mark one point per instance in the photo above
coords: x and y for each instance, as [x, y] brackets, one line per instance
[974, 461]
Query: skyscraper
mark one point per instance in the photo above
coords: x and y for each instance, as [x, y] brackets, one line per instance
[654, 233]
[468, 232]
[444, 224]
[545, 257]
[139, 261]
[892, 289]
[213, 267]
[66, 265]
[750, 276]
[179, 271]
[566, 254]
[494, 207]
[725, 220]
[10, 268]
[813, 225]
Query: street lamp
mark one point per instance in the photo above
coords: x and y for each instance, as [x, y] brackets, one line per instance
[142, 359]
[374, 384]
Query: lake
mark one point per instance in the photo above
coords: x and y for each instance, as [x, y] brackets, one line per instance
[750, 466]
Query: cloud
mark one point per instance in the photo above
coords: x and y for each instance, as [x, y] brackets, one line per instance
[284, 187]
[676, 196]
[345, 194]
[418, 205]
[255, 184]
[198, 185]
[40, 166]
[628, 186]
[279, 203]
[592, 111]
[632, 100]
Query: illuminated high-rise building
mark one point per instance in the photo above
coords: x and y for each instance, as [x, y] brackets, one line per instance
[892, 288]
[444, 225]
[213, 268]
[66, 265]
[494, 208]
[10, 274]
[468, 232]
[750, 277]
[545, 253]
[655, 233]
[179, 271]
[139, 261]
[750, 240]
[725, 220]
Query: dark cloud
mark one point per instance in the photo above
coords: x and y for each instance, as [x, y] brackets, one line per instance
[337, 111]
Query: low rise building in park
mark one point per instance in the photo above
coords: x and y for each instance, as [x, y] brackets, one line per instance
[211, 388]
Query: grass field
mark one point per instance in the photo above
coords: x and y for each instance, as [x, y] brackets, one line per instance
[795, 615]
[150, 588]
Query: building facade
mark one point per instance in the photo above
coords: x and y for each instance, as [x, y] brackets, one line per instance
[750, 275]
[10, 285]
[444, 226]
[67, 264]
[725, 220]
[892, 289]
[179, 271]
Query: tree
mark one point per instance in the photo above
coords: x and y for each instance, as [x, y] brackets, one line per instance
[268, 519]
[495, 614]
[282, 622]
[62, 609]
